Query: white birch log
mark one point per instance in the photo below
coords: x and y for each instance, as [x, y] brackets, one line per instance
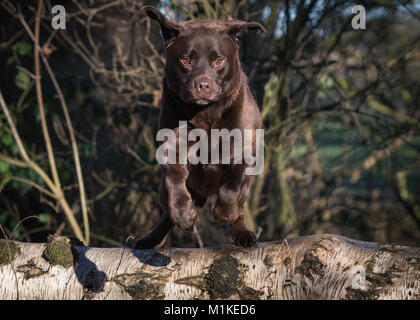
[313, 267]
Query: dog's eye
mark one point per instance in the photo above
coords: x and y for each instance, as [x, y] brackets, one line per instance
[219, 62]
[186, 61]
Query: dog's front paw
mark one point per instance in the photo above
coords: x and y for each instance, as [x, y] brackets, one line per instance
[184, 217]
[244, 238]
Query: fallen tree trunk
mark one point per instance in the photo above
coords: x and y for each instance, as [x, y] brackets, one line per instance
[313, 267]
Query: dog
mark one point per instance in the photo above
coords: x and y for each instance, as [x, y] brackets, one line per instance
[205, 86]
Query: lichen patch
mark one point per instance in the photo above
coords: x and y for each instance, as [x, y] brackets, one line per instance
[60, 252]
[141, 286]
[31, 270]
[222, 280]
[248, 293]
[8, 251]
[311, 264]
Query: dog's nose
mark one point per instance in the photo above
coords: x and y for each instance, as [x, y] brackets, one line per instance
[202, 85]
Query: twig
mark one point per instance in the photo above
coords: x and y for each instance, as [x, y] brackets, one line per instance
[59, 229]
[20, 222]
[38, 86]
[74, 147]
[31, 183]
[118, 266]
[15, 162]
[197, 235]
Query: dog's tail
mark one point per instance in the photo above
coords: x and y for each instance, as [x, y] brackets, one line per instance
[157, 237]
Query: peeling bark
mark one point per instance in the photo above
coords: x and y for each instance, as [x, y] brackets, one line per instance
[313, 267]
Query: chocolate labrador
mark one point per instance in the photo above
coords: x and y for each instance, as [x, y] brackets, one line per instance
[204, 85]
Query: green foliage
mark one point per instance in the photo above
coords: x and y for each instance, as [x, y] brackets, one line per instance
[86, 150]
[23, 48]
[4, 167]
[44, 217]
[22, 80]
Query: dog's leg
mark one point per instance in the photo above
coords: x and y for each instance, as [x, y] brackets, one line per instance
[178, 199]
[177, 204]
[226, 209]
[241, 235]
[157, 237]
[230, 203]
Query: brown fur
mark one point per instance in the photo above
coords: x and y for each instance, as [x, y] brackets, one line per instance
[208, 97]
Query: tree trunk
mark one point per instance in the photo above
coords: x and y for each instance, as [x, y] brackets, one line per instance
[313, 267]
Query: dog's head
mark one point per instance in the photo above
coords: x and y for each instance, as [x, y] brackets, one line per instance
[202, 63]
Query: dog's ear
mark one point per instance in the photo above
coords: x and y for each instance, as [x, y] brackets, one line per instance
[233, 27]
[170, 28]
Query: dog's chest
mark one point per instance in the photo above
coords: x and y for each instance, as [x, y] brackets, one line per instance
[211, 119]
[206, 178]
